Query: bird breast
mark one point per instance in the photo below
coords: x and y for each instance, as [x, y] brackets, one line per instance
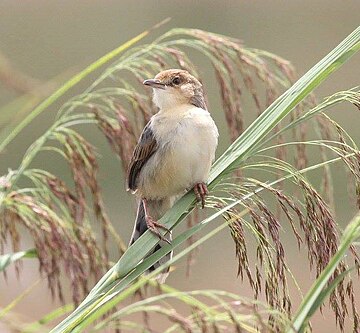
[187, 140]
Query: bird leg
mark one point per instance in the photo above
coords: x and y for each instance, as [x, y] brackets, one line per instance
[153, 225]
[201, 192]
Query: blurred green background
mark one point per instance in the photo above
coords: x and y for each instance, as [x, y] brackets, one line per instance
[48, 39]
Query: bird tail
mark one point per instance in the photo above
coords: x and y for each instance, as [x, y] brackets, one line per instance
[157, 209]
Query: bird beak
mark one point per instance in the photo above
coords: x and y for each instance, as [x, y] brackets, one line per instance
[153, 83]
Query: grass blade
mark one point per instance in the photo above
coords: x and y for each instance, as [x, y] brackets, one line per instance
[68, 85]
[7, 259]
[316, 294]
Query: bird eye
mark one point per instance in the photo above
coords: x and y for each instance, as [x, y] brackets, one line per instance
[176, 80]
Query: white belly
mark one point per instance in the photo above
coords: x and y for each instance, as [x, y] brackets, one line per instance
[187, 147]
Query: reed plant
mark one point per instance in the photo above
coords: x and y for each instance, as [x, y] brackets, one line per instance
[259, 185]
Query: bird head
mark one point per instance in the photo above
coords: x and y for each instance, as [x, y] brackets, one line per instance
[175, 87]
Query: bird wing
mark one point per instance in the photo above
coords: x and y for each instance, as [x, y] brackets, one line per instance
[144, 149]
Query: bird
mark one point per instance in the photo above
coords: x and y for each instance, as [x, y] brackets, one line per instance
[173, 155]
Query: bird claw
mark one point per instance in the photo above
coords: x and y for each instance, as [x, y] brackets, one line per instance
[201, 191]
[154, 227]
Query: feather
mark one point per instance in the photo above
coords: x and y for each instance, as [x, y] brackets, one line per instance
[145, 148]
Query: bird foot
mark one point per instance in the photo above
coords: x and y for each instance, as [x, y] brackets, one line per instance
[154, 227]
[201, 191]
